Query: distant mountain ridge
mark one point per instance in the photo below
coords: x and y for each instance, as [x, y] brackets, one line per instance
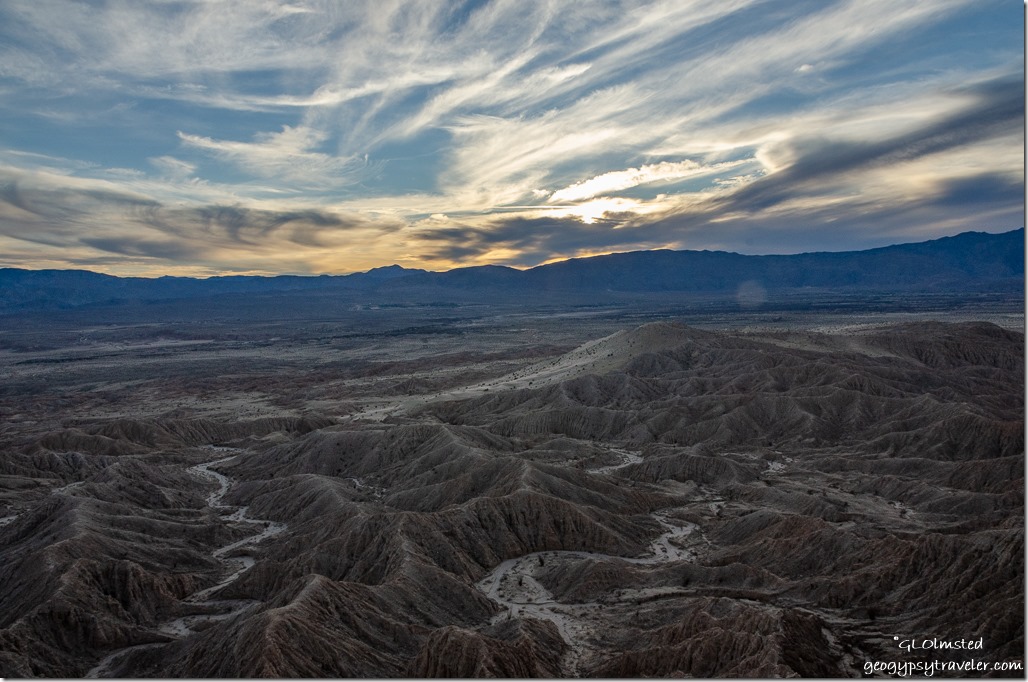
[968, 262]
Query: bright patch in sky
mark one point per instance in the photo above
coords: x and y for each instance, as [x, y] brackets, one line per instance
[619, 180]
[214, 136]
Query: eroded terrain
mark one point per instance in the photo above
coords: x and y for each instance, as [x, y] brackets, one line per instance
[549, 495]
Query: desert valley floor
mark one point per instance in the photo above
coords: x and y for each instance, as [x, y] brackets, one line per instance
[462, 493]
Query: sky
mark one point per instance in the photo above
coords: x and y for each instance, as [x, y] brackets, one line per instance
[207, 137]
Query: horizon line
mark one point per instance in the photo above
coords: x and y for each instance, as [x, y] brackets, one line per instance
[508, 267]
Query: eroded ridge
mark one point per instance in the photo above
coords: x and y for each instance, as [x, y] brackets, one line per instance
[664, 501]
[514, 586]
[236, 562]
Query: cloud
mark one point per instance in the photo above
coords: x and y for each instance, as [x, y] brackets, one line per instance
[287, 156]
[59, 215]
[999, 110]
[148, 248]
[173, 168]
[615, 181]
[986, 189]
[528, 241]
[333, 131]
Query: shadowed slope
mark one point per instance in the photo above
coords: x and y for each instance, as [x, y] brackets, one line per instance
[662, 501]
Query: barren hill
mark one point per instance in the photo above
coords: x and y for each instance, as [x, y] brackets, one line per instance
[662, 501]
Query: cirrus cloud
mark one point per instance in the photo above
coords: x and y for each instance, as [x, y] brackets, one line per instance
[312, 135]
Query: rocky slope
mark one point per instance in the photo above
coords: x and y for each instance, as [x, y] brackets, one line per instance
[663, 501]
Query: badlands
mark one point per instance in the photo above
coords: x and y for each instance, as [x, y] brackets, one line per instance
[560, 495]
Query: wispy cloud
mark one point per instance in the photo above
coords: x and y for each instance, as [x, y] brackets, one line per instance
[67, 219]
[289, 156]
[173, 168]
[616, 181]
[444, 133]
[998, 111]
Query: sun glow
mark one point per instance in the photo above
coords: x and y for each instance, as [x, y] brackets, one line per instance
[591, 211]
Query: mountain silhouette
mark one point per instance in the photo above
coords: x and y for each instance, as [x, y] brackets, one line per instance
[965, 263]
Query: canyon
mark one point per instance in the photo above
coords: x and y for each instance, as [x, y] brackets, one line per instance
[558, 493]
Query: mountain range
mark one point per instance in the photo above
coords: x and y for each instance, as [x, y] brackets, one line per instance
[968, 262]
